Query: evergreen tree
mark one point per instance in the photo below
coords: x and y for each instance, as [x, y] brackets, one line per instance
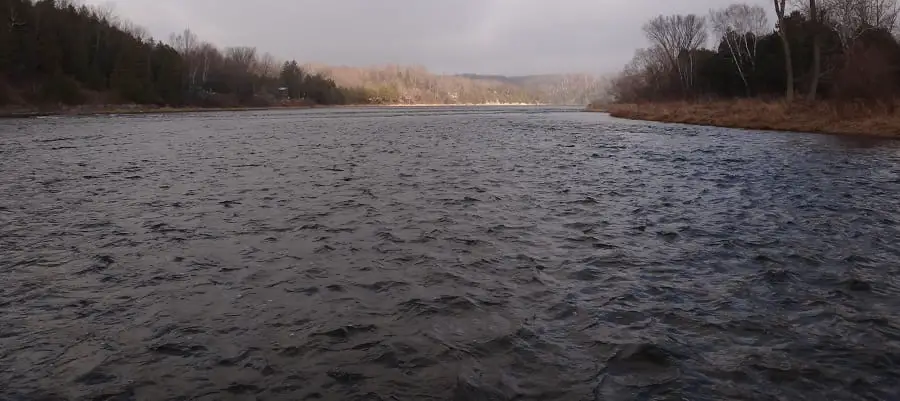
[52, 51]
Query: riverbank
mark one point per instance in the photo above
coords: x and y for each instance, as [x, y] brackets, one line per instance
[759, 115]
[460, 104]
[140, 109]
[132, 109]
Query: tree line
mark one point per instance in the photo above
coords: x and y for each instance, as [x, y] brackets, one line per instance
[559, 89]
[840, 50]
[59, 52]
[396, 84]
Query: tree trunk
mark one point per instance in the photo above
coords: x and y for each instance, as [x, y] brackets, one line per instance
[737, 64]
[816, 68]
[788, 68]
[786, 44]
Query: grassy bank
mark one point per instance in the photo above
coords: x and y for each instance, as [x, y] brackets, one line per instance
[754, 114]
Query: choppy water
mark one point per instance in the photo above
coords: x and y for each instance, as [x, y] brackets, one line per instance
[432, 254]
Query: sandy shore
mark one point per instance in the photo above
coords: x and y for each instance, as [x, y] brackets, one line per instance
[759, 115]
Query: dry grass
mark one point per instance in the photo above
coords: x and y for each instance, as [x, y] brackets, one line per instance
[778, 116]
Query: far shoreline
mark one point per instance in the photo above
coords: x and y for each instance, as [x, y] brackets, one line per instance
[133, 110]
[818, 118]
[144, 110]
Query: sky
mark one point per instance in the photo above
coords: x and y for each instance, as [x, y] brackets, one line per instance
[512, 37]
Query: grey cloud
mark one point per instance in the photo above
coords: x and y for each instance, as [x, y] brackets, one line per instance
[483, 36]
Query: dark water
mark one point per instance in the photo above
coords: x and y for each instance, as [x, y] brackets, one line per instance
[432, 254]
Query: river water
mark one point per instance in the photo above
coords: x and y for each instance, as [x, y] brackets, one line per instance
[444, 254]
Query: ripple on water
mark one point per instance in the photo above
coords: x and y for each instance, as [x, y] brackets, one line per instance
[467, 254]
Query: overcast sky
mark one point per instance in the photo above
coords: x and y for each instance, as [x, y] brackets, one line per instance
[451, 36]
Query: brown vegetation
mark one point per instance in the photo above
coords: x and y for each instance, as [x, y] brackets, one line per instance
[817, 117]
[842, 55]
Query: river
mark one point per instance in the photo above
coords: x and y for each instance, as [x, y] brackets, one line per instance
[444, 254]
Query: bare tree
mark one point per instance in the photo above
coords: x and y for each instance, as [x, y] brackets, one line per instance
[207, 55]
[880, 14]
[780, 11]
[815, 18]
[677, 35]
[266, 67]
[187, 44]
[242, 59]
[852, 18]
[105, 12]
[849, 19]
[135, 30]
[645, 77]
[740, 26]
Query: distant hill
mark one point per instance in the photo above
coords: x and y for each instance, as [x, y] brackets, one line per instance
[61, 54]
[416, 85]
[562, 89]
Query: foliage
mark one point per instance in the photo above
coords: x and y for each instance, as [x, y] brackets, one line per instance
[859, 57]
[59, 52]
[54, 51]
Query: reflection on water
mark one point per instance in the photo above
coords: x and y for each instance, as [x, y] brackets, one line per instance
[861, 142]
[435, 253]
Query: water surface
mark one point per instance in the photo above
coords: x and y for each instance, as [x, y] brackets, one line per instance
[443, 254]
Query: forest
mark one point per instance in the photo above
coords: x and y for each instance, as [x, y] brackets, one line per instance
[840, 51]
[57, 53]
